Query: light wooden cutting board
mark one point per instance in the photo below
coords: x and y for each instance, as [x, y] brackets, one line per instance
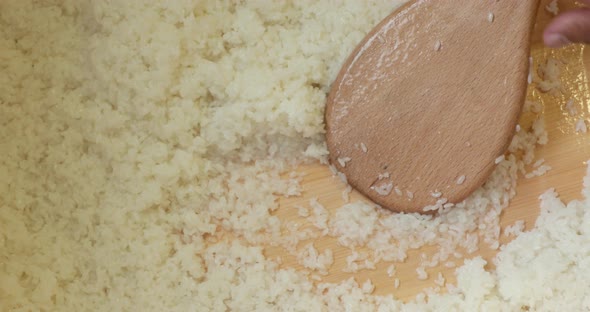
[566, 153]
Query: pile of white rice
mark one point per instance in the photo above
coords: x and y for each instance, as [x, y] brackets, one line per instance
[142, 145]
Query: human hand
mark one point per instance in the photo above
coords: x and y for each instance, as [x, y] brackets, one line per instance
[571, 26]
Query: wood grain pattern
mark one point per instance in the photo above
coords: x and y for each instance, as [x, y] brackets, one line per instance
[431, 95]
[566, 152]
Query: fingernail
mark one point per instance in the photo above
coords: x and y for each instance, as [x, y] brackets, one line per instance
[556, 40]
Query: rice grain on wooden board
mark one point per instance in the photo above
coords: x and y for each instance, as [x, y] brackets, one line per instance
[491, 17]
[581, 126]
[552, 7]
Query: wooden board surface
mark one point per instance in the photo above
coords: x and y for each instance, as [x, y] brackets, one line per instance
[566, 153]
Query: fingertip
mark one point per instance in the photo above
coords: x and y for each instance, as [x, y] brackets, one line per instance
[568, 27]
[555, 40]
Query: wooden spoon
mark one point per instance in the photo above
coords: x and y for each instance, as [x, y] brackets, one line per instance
[426, 105]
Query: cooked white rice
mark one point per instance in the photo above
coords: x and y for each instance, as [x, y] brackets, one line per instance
[552, 7]
[142, 151]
